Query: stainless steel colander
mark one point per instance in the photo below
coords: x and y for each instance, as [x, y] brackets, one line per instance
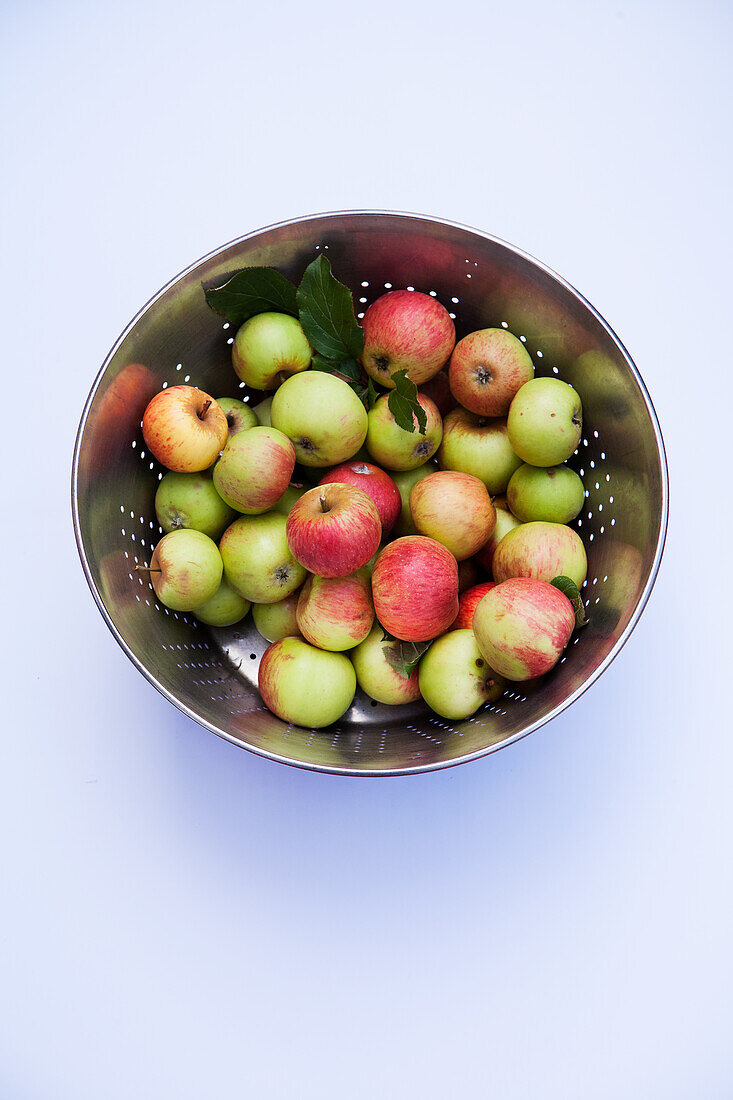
[210, 674]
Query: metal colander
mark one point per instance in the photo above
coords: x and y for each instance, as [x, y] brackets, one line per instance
[211, 674]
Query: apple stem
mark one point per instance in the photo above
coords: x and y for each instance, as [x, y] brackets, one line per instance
[146, 569]
[205, 408]
[324, 504]
[295, 485]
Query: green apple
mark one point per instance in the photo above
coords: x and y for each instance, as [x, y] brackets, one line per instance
[377, 677]
[257, 558]
[224, 608]
[336, 613]
[505, 522]
[391, 446]
[239, 415]
[553, 493]
[305, 685]
[292, 494]
[478, 445]
[185, 569]
[269, 348]
[322, 415]
[277, 620]
[191, 500]
[405, 480]
[254, 469]
[262, 412]
[545, 421]
[455, 680]
[540, 550]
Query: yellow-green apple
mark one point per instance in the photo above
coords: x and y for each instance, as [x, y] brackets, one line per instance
[322, 415]
[486, 370]
[257, 559]
[545, 421]
[191, 500]
[553, 493]
[305, 685]
[438, 390]
[225, 608]
[404, 480]
[377, 677]
[277, 620]
[522, 626]
[184, 428]
[334, 529]
[455, 509]
[391, 446]
[288, 499]
[467, 604]
[480, 446]
[336, 613]
[269, 348]
[406, 330]
[262, 412]
[376, 484]
[185, 569]
[239, 415]
[254, 469]
[505, 522]
[455, 679]
[415, 588]
[541, 550]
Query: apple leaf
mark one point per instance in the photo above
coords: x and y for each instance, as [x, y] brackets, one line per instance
[326, 311]
[253, 290]
[404, 405]
[569, 588]
[403, 656]
[349, 371]
[371, 394]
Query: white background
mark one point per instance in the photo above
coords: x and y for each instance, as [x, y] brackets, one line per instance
[180, 919]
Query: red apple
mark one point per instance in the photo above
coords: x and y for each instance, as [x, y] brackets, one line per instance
[184, 428]
[455, 509]
[522, 626]
[336, 613]
[415, 588]
[376, 484]
[334, 529]
[468, 601]
[542, 550]
[406, 330]
[487, 368]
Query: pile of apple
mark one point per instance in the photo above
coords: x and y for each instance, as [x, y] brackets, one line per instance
[356, 579]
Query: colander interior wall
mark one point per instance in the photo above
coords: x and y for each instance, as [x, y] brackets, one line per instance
[211, 674]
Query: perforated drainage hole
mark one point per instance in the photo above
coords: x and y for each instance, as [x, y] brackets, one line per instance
[253, 656]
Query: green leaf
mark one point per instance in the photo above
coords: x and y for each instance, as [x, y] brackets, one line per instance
[403, 656]
[326, 311]
[404, 405]
[253, 290]
[347, 369]
[569, 588]
[371, 394]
